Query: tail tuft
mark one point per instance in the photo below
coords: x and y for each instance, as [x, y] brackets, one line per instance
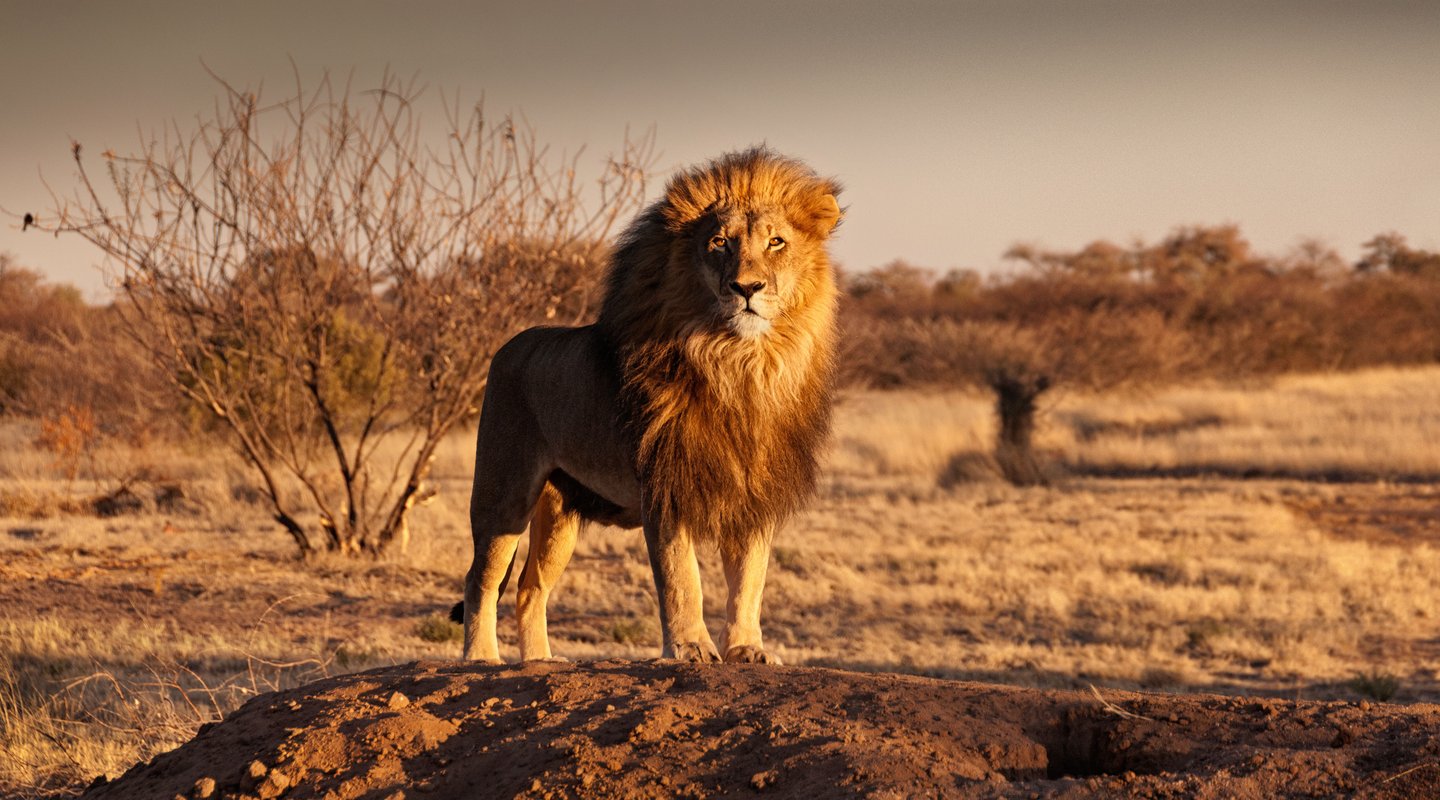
[457, 612]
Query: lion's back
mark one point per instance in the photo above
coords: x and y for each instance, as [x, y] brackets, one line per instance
[551, 403]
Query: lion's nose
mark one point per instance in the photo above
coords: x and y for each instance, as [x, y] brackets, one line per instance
[746, 290]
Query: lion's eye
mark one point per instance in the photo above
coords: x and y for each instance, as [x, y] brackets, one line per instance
[718, 242]
[776, 243]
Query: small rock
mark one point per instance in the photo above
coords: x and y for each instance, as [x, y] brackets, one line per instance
[274, 785]
[203, 789]
[397, 701]
[540, 714]
[762, 779]
[609, 708]
[254, 773]
[535, 785]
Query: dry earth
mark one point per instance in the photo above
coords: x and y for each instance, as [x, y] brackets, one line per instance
[662, 729]
[1273, 614]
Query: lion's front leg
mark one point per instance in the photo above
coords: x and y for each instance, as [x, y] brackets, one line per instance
[745, 563]
[677, 582]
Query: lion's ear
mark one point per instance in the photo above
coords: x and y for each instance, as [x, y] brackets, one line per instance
[824, 215]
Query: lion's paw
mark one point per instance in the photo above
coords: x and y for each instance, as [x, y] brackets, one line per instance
[696, 653]
[750, 654]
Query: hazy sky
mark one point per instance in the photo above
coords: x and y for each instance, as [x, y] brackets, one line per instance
[957, 127]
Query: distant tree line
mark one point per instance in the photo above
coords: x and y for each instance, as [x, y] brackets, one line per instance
[1201, 303]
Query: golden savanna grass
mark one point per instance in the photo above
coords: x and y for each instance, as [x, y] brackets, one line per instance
[119, 635]
[1381, 423]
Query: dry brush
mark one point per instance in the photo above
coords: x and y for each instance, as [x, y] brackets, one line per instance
[327, 283]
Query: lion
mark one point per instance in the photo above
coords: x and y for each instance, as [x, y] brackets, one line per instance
[693, 408]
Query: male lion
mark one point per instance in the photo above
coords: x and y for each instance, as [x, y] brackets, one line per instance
[692, 408]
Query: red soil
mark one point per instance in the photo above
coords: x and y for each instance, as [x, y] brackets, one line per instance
[448, 730]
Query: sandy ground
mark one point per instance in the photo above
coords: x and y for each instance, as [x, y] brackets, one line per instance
[1266, 620]
[661, 729]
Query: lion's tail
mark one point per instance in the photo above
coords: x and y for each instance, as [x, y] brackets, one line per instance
[457, 612]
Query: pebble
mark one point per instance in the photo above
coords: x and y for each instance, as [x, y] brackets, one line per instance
[274, 785]
[203, 789]
[397, 701]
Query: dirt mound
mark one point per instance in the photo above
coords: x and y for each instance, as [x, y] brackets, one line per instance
[660, 729]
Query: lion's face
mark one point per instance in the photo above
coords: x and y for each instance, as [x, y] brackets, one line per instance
[751, 260]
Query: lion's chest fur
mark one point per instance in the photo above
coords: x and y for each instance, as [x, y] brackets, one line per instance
[726, 434]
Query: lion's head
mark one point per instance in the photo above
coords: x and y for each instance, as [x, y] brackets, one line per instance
[735, 246]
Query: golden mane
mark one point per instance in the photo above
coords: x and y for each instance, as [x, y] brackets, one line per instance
[725, 430]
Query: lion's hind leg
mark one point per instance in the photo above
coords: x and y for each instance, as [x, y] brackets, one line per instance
[490, 572]
[553, 531]
[496, 527]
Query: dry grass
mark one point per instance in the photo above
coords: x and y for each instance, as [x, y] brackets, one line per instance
[1381, 423]
[118, 636]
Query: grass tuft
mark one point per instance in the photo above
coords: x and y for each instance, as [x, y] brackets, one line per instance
[633, 631]
[440, 629]
[1376, 685]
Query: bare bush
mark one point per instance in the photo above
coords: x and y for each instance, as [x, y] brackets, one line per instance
[329, 285]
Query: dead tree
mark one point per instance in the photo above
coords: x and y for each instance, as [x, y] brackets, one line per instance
[328, 283]
[1017, 394]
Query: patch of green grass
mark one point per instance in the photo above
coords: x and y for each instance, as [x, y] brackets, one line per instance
[788, 558]
[1376, 685]
[633, 630]
[440, 629]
